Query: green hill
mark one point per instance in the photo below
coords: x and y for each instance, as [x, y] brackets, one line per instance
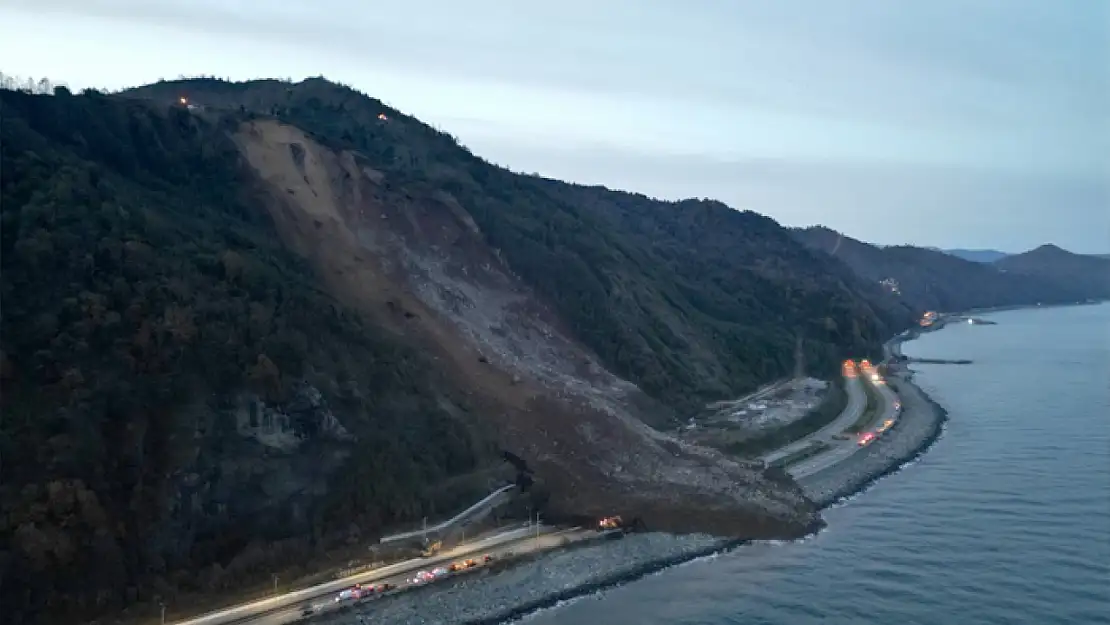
[1088, 273]
[935, 280]
[150, 315]
[243, 335]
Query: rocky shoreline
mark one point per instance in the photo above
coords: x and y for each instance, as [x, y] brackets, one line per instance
[558, 576]
[536, 583]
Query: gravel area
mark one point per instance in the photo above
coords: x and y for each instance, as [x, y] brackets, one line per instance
[534, 584]
[919, 425]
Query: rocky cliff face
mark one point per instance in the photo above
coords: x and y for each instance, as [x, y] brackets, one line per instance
[253, 470]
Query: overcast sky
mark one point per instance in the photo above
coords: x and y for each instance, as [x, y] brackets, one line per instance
[954, 123]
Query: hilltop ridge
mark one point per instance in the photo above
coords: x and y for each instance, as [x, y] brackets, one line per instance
[1090, 274]
[979, 256]
[930, 279]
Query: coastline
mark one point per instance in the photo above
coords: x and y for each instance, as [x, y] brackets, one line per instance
[552, 578]
[920, 425]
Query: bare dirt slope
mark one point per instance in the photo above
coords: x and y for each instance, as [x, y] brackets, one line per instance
[415, 262]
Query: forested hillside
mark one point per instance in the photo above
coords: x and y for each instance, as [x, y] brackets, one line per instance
[978, 256]
[286, 317]
[934, 280]
[1088, 273]
[692, 301]
[150, 315]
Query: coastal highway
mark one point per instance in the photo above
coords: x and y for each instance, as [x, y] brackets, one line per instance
[857, 402]
[841, 449]
[288, 607]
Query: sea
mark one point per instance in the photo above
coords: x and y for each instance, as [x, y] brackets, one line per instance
[1004, 520]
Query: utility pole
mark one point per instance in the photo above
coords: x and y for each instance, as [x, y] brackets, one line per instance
[163, 613]
[799, 358]
[275, 583]
[537, 523]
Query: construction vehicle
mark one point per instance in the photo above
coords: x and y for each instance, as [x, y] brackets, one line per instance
[610, 523]
[432, 548]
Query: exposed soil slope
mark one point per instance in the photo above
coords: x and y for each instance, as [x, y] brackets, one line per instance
[419, 264]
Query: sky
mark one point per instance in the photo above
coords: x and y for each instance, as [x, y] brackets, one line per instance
[948, 123]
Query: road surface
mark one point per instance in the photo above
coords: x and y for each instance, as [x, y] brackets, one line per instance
[484, 505]
[889, 408]
[327, 602]
[287, 607]
[857, 402]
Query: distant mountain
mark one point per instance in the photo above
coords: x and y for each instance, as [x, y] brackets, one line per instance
[977, 256]
[929, 279]
[1089, 272]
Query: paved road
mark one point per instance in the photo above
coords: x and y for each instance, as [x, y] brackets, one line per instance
[888, 409]
[288, 606]
[857, 402]
[327, 602]
[482, 507]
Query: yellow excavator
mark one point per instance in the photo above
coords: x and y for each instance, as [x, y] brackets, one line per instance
[432, 548]
[610, 523]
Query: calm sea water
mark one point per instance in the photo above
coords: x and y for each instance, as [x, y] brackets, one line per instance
[1005, 520]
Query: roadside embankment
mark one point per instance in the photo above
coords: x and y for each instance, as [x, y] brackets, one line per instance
[535, 583]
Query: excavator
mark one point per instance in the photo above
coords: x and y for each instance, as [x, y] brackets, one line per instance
[431, 549]
[610, 523]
